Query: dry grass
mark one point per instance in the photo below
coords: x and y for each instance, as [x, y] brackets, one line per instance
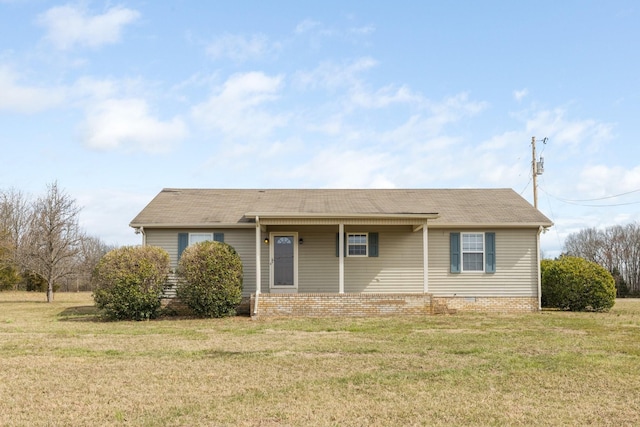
[62, 366]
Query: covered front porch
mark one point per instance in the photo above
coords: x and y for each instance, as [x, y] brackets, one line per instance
[340, 265]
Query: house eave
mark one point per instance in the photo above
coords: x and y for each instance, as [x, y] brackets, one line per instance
[194, 225]
[511, 225]
[319, 215]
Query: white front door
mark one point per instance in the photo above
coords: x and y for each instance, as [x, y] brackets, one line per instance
[284, 261]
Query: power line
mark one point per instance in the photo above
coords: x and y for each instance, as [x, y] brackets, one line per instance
[597, 199]
[526, 186]
[578, 202]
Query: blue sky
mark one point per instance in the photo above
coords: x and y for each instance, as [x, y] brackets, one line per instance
[116, 100]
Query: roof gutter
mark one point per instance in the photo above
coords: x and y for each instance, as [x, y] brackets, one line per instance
[535, 225]
[191, 225]
[319, 215]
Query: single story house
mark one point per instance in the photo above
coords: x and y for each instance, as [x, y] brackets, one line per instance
[358, 252]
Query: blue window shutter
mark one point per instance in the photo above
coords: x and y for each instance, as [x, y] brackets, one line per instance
[218, 237]
[183, 242]
[373, 244]
[490, 252]
[454, 251]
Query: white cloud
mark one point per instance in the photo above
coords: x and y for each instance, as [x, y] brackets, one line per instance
[362, 31]
[22, 98]
[602, 181]
[306, 26]
[585, 133]
[68, 26]
[330, 75]
[115, 123]
[519, 95]
[317, 31]
[334, 168]
[429, 123]
[236, 108]
[383, 97]
[241, 48]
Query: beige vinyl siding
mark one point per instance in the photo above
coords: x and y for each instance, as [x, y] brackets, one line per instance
[242, 240]
[398, 268]
[516, 266]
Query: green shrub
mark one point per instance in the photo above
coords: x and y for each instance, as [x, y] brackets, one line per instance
[35, 283]
[129, 282]
[210, 279]
[575, 284]
[9, 277]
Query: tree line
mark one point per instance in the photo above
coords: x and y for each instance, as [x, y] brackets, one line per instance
[616, 248]
[42, 246]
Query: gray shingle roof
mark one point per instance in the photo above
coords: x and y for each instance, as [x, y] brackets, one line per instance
[472, 207]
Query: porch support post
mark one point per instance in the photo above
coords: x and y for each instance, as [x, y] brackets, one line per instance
[258, 256]
[425, 255]
[341, 258]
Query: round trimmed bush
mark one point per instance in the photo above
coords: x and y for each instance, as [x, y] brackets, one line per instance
[575, 284]
[129, 282]
[210, 279]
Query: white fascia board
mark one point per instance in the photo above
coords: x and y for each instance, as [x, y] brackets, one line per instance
[298, 215]
[205, 225]
[535, 225]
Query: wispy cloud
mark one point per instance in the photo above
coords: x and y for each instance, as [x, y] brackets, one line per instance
[332, 75]
[241, 48]
[307, 25]
[69, 26]
[317, 32]
[601, 180]
[128, 124]
[25, 98]
[519, 95]
[236, 108]
[585, 134]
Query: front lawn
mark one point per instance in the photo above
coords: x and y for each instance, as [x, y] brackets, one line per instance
[62, 366]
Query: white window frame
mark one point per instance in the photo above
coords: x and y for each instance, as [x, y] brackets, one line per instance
[208, 237]
[366, 245]
[463, 251]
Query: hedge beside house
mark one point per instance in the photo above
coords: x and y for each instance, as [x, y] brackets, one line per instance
[575, 284]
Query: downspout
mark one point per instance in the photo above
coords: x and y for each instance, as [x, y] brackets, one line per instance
[540, 230]
[140, 230]
[258, 267]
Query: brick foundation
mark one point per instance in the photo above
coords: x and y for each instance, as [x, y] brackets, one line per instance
[341, 305]
[486, 304]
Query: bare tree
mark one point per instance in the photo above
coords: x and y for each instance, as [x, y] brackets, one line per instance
[53, 238]
[616, 248]
[14, 218]
[92, 250]
[15, 211]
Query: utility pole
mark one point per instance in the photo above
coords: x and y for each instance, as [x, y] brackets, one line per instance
[534, 172]
[537, 168]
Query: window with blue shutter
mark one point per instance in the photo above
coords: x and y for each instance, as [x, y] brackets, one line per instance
[218, 237]
[472, 252]
[358, 244]
[454, 252]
